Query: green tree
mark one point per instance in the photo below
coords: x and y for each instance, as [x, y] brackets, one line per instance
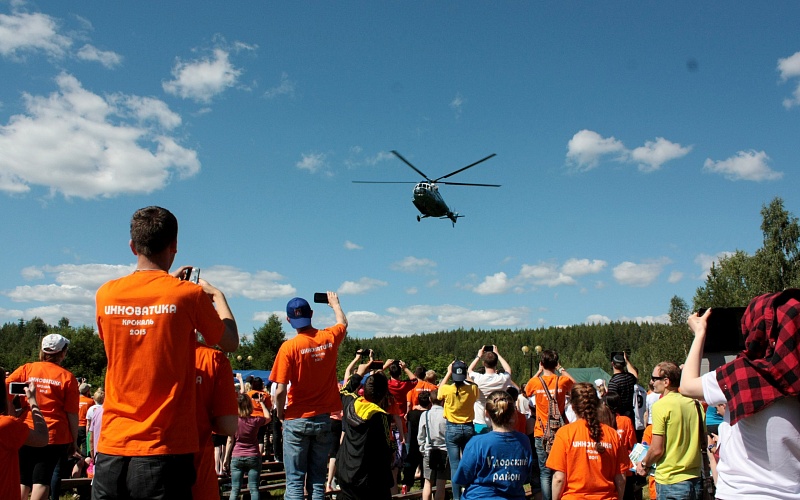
[678, 311]
[740, 277]
[266, 341]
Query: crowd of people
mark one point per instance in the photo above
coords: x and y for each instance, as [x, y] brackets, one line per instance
[386, 428]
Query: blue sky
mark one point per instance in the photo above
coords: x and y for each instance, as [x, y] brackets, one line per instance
[636, 143]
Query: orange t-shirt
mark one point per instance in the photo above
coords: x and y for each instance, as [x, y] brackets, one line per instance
[57, 395]
[647, 437]
[216, 397]
[147, 321]
[534, 387]
[587, 473]
[413, 395]
[308, 361]
[13, 434]
[257, 411]
[84, 403]
[627, 438]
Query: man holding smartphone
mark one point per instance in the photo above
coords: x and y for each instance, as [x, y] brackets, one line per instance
[148, 322]
[308, 362]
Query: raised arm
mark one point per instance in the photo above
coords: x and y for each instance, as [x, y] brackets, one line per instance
[349, 370]
[474, 363]
[333, 301]
[230, 337]
[691, 382]
[38, 437]
[502, 361]
[631, 369]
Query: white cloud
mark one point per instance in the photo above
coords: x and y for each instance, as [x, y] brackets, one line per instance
[586, 148]
[790, 68]
[428, 318]
[259, 285]
[457, 104]
[675, 277]
[313, 162]
[357, 159]
[363, 285]
[631, 274]
[413, 264]
[78, 143]
[88, 276]
[494, 284]
[412, 290]
[597, 319]
[107, 58]
[352, 246]
[22, 33]
[652, 155]
[51, 314]
[705, 261]
[285, 87]
[746, 165]
[51, 293]
[202, 79]
[580, 267]
[545, 274]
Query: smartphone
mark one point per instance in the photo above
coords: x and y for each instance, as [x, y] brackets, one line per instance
[364, 352]
[376, 365]
[321, 298]
[488, 348]
[256, 396]
[724, 329]
[17, 388]
[191, 274]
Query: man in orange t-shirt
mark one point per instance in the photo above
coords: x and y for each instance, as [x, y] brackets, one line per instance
[308, 362]
[558, 383]
[84, 403]
[147, 321]
[217, 411]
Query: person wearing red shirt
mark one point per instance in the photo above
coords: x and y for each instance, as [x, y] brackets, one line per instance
[308, 363]
[147, 321]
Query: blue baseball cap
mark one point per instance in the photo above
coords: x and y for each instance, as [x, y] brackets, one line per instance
[299, 313]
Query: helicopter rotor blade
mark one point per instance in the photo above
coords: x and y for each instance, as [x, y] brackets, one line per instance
[385, 182]
[410, 165]
[462, 169]
[469, 184]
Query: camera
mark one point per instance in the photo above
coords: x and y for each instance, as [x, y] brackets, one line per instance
[376, 365]
[256, 396]
[488, 348]
[321, 298]
[17, 388]
[364, 352]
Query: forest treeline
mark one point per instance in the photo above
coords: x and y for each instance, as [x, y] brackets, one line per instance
[733, 281]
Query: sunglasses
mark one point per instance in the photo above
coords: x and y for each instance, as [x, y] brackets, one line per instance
[653, 379]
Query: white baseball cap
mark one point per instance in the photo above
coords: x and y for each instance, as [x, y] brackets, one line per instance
[54, 343]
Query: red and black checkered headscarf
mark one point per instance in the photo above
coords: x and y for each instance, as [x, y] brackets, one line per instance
[769, 367]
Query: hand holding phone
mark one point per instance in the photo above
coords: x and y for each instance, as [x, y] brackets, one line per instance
[17, 388]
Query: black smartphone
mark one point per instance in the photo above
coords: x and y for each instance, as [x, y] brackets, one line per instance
[321, 298]
[191, 274]
[724, 329]
[186, 273]
[364, 352]
[376, 365]
[488, 348]
[17, 388]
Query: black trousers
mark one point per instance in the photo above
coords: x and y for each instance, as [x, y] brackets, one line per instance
[159, 477]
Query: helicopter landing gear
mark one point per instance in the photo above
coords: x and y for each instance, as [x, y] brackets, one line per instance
[418, 219]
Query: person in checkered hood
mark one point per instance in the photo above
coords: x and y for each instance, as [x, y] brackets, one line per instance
[760, 445]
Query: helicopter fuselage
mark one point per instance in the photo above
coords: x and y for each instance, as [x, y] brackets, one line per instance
[428, 200]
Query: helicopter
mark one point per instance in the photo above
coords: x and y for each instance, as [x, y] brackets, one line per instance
[427, 198]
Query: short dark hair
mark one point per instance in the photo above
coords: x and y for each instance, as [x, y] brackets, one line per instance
[419, 372]
[257, 384]
[376, 387]
[395, 370]
[153, 229]
[549, 359]
[490, 359]
[424, 399]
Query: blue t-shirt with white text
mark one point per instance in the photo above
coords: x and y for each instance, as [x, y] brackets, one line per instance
[495, 465]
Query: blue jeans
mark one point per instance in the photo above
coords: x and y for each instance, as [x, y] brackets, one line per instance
[456, 437]
[306, 443]
[545, 474]
[690, 489]
[241, 466]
